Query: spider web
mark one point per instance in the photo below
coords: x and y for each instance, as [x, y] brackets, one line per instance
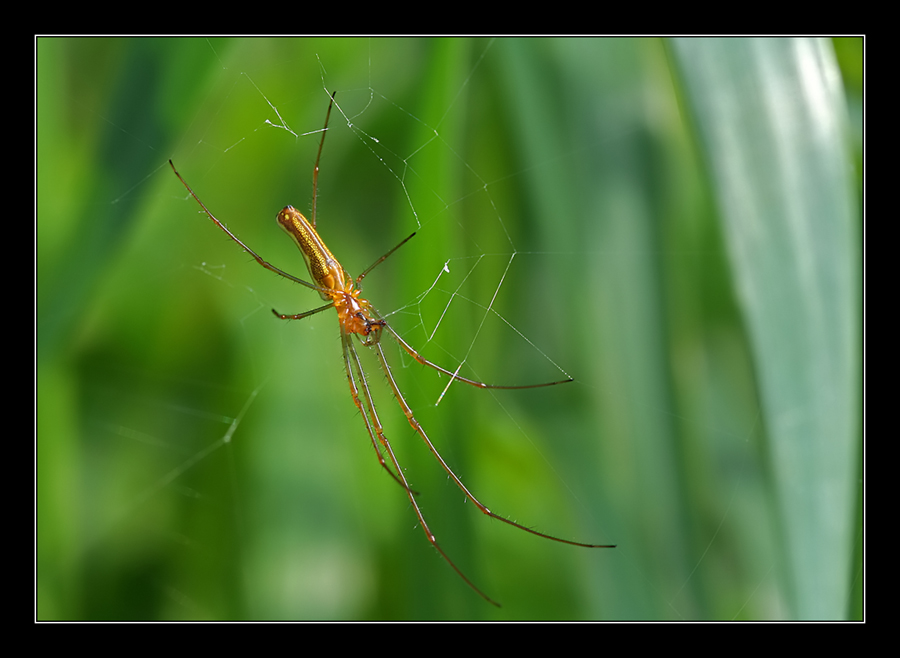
[403, 164]
[252, 460]
[237, 160]
[446, 310]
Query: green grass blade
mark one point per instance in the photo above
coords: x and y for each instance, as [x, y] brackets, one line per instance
[771, 121]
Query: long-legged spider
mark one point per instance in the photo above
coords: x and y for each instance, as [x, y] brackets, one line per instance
[357, 316]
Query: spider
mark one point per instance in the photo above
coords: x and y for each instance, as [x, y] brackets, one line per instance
[356, 315]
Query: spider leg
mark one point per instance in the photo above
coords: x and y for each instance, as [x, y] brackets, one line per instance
[300, 316]
[425, 362]
[231, 235]
[319, 157]
[376, 432]
[381, 260]
[407, 411]
[369, 414]
[348, 346]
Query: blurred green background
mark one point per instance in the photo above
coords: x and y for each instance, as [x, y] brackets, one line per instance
[675, 224]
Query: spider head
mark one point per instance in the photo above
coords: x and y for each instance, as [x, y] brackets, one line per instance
[371, 329]
[357, 316]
